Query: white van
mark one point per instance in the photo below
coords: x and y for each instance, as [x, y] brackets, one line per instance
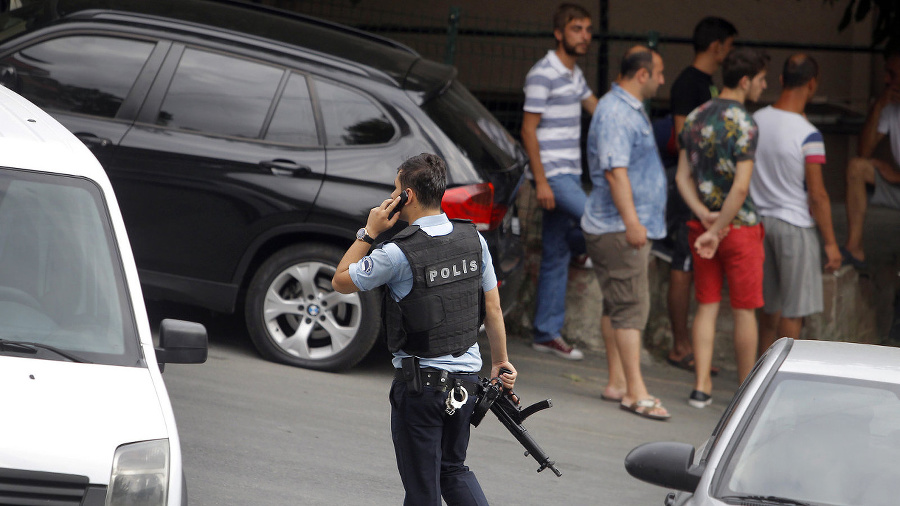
[85, 418]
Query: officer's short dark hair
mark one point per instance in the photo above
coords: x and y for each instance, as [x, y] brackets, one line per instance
[743, 61]
[636, 58]
[798, 70]
[427, 175]
[565, 13]
[711, 29]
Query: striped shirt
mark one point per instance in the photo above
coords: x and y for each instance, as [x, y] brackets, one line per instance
[787, 142]
[555, 92]
[889, 124]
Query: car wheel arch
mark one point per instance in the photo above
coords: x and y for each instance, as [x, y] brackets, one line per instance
[278, 238]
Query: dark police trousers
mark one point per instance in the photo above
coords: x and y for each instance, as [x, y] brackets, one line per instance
[431, 447]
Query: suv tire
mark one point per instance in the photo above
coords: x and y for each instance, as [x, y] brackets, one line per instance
[294, 316]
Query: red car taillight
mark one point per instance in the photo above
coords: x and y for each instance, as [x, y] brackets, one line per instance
[474, 202]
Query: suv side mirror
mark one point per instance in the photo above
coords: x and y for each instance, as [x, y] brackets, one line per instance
[181, 342]
[665, 464]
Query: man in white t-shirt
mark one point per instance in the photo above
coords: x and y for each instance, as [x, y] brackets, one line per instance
[790, 195]
[883, 119]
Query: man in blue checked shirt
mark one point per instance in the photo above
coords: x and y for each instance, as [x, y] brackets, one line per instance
[624, 211]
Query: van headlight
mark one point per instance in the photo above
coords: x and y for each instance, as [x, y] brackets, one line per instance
[140, 474]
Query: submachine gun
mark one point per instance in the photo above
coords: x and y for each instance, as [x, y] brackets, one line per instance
[492, 396]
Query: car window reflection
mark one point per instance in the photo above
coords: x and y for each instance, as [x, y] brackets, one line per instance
[80, 74]
[350, 118]
[293, 121]
[218, 94]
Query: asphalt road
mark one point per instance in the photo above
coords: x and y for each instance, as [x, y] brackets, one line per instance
[259, 433]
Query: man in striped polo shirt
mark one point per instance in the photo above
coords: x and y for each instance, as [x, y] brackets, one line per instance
[790, 195]
[555, 92]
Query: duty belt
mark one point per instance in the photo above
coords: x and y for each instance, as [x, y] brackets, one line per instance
[442, 380]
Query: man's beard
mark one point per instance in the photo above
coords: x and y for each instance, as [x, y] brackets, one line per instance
[570, 49]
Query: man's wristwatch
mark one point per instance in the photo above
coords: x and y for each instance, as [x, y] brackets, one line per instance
[362, 235]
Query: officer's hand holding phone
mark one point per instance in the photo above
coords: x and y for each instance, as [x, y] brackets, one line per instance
[384, 217]
[404, 197]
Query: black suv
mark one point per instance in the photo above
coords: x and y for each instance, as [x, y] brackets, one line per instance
[246, 146]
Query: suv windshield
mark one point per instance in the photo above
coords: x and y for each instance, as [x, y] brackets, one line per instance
[820, 440]
[61, 284]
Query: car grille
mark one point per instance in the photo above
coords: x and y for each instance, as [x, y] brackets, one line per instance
[26, 488]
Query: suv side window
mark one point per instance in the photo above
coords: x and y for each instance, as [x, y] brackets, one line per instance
[218, 94]
[79, 74]
[293, 121]
[351, 118]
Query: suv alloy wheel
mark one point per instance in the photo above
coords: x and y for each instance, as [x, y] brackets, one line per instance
[294, 316]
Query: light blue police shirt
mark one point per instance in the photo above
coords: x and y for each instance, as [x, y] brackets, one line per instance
[388, 266]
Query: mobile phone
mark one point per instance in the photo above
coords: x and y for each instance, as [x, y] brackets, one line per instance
[403, 198]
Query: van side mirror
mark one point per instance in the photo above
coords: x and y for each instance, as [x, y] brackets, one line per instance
[665, 464]
[181, 342]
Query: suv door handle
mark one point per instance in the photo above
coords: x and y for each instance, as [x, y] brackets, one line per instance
[282, 167]
[92, 141]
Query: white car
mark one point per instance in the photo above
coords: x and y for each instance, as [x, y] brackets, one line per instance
[85, 418]
[816, 423]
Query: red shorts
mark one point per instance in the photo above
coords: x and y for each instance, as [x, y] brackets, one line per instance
[739, 257]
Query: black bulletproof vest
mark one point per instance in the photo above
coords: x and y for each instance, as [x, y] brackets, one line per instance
[442, 313]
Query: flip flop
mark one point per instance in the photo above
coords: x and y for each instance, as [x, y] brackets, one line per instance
[607, 398]
[643, 408]
[610, 398]
[687, 363]
[849, 259]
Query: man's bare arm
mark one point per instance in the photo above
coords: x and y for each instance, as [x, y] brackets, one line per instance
[530, 121]
[496, 332]
[679, 124]
[870, 136]
[623, 198]
[687, 187]
[590, 104]
[740, 188]
[820, 208]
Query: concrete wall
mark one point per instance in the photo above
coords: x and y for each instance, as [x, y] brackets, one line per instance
[858, 307]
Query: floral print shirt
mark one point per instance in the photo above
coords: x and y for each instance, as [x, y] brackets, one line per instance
[717, 135]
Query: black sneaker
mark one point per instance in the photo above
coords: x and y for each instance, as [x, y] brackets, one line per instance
[699, 399]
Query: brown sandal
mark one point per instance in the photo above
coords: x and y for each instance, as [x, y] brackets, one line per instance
[644, 407]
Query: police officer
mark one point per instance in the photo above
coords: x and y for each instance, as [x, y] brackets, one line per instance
[440, 285]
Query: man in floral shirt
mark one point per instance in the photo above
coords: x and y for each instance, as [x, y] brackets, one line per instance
[715, 165]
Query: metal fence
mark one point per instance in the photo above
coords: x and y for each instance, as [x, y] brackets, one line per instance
[493, 54]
